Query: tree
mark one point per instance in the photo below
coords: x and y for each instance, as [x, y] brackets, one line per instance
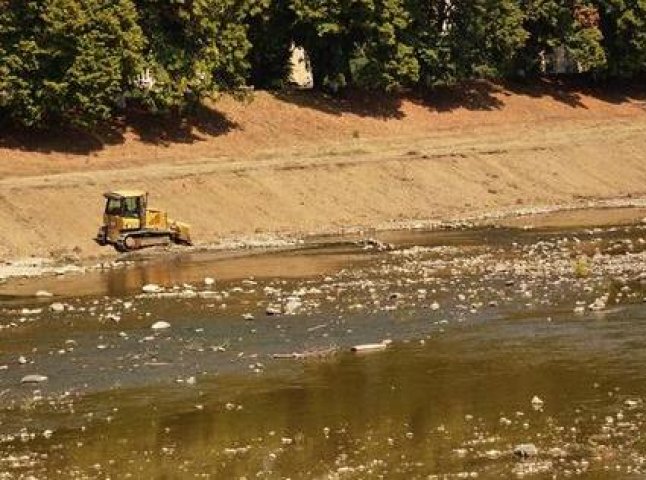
[196, 48]
[385, 60]
[464, 39]
[66, 60]
[361, 42]
[623, 23]
[571, 24]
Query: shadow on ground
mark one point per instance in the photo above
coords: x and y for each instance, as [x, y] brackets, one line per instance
[569, 90]
[165, 130]
[159, 130]
[473, 96]
[362, 104]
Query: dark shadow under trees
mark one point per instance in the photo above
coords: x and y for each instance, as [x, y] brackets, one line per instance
[156, 129]
[361, 103]
[169, 129]
[479, 95]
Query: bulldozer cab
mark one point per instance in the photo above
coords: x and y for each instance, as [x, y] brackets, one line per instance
[130, 206]
[124, 211]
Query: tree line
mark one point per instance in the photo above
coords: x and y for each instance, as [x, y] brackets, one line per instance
[81, 62]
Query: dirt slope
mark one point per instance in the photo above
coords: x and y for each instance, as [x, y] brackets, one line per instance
[298, 164]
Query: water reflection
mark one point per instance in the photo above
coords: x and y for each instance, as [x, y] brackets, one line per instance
[402, 413]
[181, 269]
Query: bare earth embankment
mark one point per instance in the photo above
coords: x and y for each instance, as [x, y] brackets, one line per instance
[301, 164]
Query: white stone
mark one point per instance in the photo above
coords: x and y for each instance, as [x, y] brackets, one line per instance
[292, 305]
[57, 307]
[526, 450]
[161, 325]
[33, 379]
[151, 288]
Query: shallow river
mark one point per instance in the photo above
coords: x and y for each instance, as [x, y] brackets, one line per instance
[497, 338]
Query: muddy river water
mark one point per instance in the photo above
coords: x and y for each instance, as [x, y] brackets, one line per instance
[495, 340]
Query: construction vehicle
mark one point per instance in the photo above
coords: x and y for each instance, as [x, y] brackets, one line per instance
[129, 224]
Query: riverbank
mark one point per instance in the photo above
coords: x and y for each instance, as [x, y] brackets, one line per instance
[291, 166]
[23, 278]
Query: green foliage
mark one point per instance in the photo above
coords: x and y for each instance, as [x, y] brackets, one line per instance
[385, 59]
[484, 36]
[466, 39]
[581, 267]
[64, 60]
[79, 61]
[623, 23]
[363, 43]
[571, 24]
[196, 48]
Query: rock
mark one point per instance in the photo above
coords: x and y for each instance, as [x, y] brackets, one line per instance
[461, 452]
[44, 294]
[161, 325]
[33, 379]
[632, 403]
[537, 403]
[209, 294]
[208, 281]
[435, 306]
[57, 307]
[557, 452]
[151, 288]
[271, 310]
[292, 305]
[599, 303]
[493, 454]
[525, 450]
[248, 317]
[371, 347]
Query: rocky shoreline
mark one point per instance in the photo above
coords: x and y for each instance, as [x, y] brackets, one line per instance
[69, 264]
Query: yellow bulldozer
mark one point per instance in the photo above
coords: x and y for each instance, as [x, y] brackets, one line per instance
[129, 224]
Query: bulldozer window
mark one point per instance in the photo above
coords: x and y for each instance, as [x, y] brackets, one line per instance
[131, 207]
[113, 206]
